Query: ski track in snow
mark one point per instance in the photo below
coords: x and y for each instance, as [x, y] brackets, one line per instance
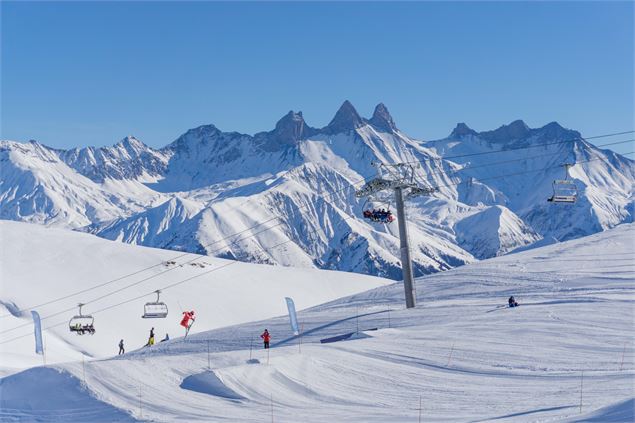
[465, 355]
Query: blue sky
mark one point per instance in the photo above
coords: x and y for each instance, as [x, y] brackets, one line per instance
[76, 74]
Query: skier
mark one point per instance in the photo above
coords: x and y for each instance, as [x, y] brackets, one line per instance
[266, 337]
[121, 349]
[185, 322]
[512, 302]
[151, 339]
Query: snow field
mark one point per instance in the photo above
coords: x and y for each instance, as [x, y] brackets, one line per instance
[461, 352]
[39, 264]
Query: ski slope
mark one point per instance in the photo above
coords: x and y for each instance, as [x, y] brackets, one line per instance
[460, 356]
[38, 264]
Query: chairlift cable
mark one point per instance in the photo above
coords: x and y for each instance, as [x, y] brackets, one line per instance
[111, 281]
[259, 224]
[480, 153]
[281, 222]
[485, 165]
[275, 246]
[274, 218]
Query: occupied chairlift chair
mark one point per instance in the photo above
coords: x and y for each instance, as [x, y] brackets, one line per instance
[564, 190]
[82, 324]
[374, 213]
[155, 310]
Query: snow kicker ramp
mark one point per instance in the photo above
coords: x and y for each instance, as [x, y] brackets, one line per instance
[50, 395]
[620, 412]
[209, 383]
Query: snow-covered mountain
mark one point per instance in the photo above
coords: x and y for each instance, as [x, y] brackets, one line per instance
[235, 195]
[128, 159]
[37, 186]
[603, 178]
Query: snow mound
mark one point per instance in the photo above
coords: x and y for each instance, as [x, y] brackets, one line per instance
[46, 394]
[620, 412]
[209, 383]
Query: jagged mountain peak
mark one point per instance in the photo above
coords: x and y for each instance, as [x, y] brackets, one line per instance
[516, 130]
[345, 119]
[131, 143]
[291, 128]
[557, 131]
[382, 119]
[462, 129]
[199, 135]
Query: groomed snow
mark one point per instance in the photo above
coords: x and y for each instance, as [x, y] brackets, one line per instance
[38, 264]
[461, 354]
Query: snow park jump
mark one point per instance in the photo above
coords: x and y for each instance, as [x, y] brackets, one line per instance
[340, 264]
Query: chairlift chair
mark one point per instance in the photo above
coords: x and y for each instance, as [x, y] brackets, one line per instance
[371, 213]
[82, 324]
[156, 309]
[564, 190]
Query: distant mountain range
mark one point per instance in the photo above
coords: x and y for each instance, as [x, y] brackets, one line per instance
[286, 197]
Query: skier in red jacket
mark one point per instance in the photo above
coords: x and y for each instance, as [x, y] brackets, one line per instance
[187, 316]
[266, 338]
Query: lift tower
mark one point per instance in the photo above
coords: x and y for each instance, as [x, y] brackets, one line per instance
[400, 179]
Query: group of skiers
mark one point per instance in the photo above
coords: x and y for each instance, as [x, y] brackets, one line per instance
[151, 338]
[266, 336]
[188, 321]
[150, 342]
[82, 329]
[379, 215]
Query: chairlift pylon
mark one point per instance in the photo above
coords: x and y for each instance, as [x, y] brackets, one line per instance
[82, 324]
[564, 190]
[156, 309]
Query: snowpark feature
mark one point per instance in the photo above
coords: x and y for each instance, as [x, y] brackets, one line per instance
[566, 354]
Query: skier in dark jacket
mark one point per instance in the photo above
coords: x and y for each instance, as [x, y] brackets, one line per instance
[512, 302]
[266, 337]
[121, 349]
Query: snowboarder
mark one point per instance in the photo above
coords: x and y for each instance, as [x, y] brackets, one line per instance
[121, 349]
[266, 337]
[167, 338]
[512, 302]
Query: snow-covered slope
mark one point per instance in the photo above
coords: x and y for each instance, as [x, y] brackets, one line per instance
[235, 195]
[565, 355]
[39, 264]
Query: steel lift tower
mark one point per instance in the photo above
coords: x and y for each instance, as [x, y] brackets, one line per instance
[400, 179]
